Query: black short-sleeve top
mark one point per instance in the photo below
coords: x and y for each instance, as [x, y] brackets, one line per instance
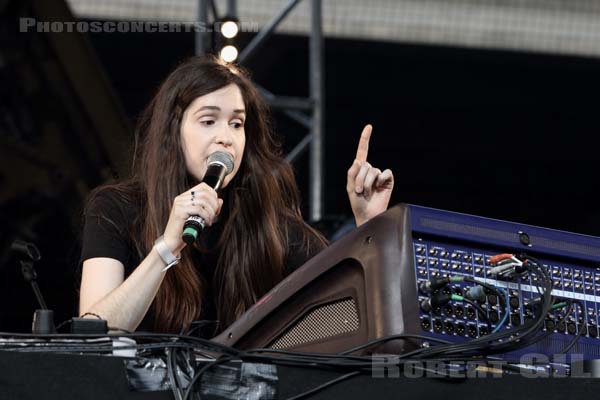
[110, 222]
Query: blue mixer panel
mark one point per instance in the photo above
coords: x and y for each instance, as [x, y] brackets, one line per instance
[449, 244]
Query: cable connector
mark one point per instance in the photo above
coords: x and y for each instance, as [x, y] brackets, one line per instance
[433, 285]
[533, 302]
[435, 301]
[476, 293]
[506, 265]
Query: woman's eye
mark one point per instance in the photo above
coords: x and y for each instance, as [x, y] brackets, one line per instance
[207, 122]
[237, 125]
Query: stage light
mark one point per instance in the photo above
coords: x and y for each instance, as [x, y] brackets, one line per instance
[229, 29]
[229, 53]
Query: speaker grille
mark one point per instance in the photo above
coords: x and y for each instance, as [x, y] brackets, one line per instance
[323, 322]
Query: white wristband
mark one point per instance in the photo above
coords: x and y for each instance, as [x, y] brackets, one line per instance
[163, 251]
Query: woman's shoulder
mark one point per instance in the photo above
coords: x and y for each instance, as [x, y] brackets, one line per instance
[114, 207]
[114, 200]
[299, 231]
[304, 242]
[109, 222]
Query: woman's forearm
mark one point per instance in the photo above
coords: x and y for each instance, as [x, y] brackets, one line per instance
[126, 305]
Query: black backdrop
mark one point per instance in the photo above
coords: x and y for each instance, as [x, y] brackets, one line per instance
[500, 134]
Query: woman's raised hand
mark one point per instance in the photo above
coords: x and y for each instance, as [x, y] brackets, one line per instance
[369, 189]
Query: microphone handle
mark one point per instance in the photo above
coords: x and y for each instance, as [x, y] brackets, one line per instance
[214, 177]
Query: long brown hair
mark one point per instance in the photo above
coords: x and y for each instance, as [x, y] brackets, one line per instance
[263, 199]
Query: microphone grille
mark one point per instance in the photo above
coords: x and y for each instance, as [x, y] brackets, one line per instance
[221, 157]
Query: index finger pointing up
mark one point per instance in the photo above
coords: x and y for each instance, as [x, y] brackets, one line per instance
[363, 144]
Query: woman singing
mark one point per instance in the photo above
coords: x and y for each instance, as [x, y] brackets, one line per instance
[255, 234]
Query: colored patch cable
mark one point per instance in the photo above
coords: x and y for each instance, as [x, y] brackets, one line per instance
[475, 293]
[506, 311]
[507, 265]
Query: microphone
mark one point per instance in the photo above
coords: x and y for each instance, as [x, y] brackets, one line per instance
[220, 164]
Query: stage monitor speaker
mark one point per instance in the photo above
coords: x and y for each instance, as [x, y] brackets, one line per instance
[360, 288]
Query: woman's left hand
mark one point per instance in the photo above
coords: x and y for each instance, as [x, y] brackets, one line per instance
[369, 189]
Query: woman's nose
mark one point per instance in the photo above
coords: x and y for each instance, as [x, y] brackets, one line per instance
[224, 137]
